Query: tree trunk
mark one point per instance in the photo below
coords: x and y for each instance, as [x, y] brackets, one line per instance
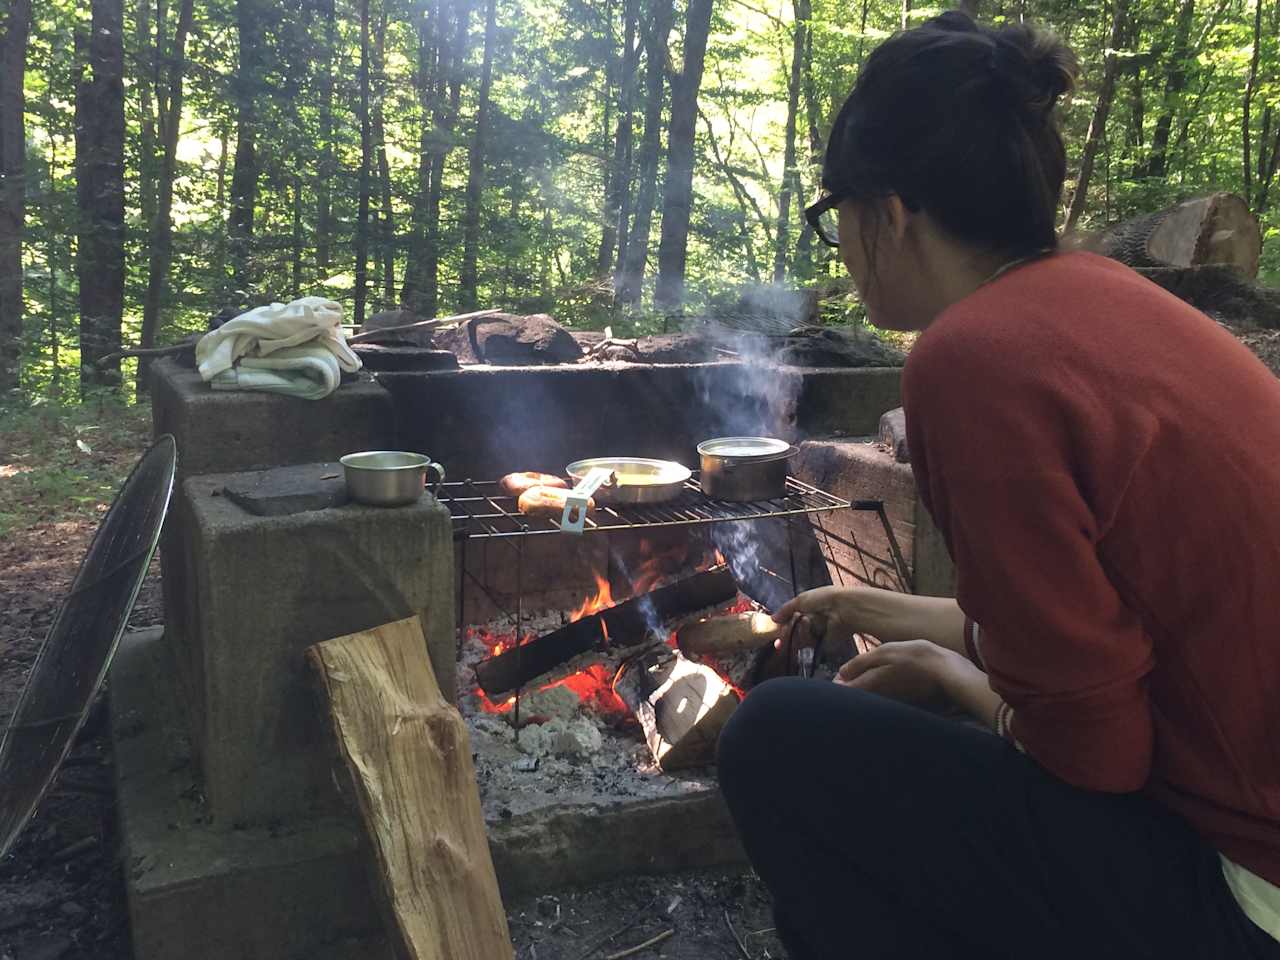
[386, 226]
[147, 57]
[424, 85]
[475, 174]
[631, 281]
[804, 247]
[608, 219]
[1098, 125]
[220, 207]
[244, 168]
[626, 131]
[970, 7]
[1216, 229]
[51, 263]
[677, 200]
[1175, 83]
[160, 229]
[295, 267]
[100, 191]
[324, 203]
[790, 173]
[13, 154]
[438, 141]
[1249, 88]
[906, 14]
[366, 148]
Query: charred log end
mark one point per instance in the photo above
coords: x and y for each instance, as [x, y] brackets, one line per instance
[681, 706]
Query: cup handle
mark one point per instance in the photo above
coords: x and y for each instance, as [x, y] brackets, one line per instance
[435, 489]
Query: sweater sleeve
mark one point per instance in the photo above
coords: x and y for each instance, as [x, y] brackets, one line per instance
[997, 453]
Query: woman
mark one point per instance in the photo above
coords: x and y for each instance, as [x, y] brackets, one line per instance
[1104, 462]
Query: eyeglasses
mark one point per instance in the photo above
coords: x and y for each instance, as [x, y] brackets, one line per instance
[824, 220]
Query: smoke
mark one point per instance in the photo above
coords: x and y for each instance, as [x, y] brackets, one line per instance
[751, 396]
[644, 602]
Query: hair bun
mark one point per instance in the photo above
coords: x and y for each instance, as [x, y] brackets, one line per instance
[1039, 67]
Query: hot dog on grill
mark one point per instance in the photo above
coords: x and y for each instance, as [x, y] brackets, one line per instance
[516, 484]
[544, 501]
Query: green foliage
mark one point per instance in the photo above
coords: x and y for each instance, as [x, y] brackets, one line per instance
[555, 108]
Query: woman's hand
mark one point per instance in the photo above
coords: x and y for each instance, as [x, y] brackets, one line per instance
[839, 608]
[885, 614]
[917, 672]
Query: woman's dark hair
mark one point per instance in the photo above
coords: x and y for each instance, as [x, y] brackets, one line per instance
[958, 119]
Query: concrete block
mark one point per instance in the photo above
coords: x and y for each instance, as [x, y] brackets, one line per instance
[228, 431]
[862, 470]
[200, 891]
[263, 589]
[225, 431]
[482, 422]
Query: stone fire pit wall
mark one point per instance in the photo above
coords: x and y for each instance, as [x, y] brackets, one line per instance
[484, 421]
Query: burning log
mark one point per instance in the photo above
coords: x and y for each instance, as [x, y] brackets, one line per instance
[682, 706]
[740, 633]
[620, 625]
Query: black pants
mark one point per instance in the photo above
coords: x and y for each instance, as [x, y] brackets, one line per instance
[884, 831]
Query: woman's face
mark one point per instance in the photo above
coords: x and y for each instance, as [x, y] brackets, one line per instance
[879, 260]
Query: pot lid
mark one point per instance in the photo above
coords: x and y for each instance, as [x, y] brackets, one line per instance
[745, 447]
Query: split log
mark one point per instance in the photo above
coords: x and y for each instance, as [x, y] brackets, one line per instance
[739, 633]
[682, 706]
[409, 757]
[619, 625]
[1217, 229]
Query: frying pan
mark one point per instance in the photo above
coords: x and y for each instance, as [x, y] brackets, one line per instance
[634, 480]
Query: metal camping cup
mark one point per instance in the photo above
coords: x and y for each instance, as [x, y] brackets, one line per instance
[388, 478]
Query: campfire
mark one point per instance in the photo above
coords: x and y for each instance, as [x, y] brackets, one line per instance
[613, 674]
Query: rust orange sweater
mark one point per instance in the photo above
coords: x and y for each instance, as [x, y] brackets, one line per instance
[1104, 462]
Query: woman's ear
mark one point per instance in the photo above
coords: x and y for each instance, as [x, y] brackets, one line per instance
[897, 217]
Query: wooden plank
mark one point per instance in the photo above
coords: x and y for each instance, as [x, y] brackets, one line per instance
[409, 757]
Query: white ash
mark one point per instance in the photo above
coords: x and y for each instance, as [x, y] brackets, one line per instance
[583, 758]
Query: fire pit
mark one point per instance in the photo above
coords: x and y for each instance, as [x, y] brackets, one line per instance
[599, 704]
[590, 739]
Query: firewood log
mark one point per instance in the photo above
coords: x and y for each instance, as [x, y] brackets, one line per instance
[738, 633]
[1217, 229]
[409, 758]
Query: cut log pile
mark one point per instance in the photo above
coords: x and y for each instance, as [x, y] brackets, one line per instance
[1204, 251]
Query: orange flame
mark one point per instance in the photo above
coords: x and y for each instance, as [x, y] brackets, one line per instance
[602, 599]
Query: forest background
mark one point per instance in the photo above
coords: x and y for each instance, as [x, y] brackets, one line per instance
[605, 161]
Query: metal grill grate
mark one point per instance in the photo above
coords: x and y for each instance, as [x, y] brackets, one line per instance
[481, 510]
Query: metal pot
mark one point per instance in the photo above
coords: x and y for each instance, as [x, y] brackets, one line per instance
[388, 478]
[744, 469]
[635, 479]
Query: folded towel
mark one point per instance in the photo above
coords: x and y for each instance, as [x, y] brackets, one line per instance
[310, 372]
[226, 356]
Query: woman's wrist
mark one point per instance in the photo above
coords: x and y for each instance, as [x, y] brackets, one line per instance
[968, 687]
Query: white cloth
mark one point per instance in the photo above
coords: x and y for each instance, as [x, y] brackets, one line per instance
[1258, 898]
[294, 348]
